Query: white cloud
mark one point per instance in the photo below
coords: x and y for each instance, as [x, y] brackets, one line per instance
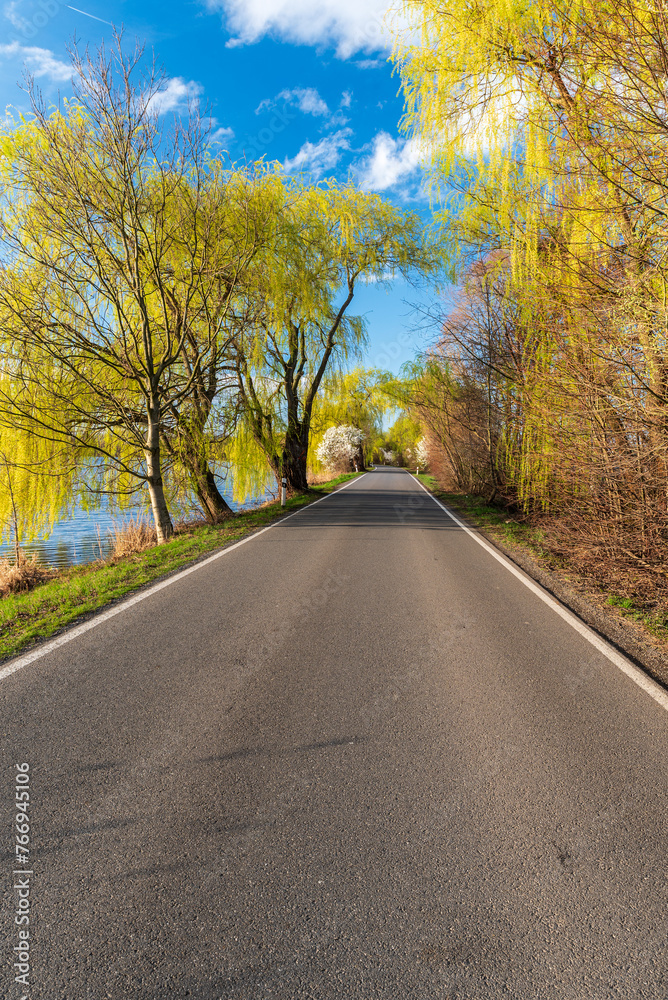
[11, 11]
[349, 25]
[307, 99]
[338, 119]
[316, 157]
[39, 62]
[221, 136]
[309, 102]
[391, 161]
[175, 94]
[217, 133]
[369, 63]
[376, 279]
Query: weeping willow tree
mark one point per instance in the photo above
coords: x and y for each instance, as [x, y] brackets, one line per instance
[547, 120]
[123, 247]
[240, 222]
[36, 481]
[296, 325]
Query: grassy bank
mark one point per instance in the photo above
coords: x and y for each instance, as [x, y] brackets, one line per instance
[51, 606]
[636, 594]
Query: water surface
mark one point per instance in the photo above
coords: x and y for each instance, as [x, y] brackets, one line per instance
[84, 536]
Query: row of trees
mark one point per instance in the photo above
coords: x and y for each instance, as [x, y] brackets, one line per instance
[547, 123]
[161, 310]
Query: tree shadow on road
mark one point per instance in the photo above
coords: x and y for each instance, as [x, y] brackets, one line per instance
[374, 509]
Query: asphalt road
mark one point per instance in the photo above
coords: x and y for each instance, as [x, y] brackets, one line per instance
[352, 758]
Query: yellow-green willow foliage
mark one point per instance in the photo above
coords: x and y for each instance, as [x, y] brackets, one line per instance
[402, 438]
[534, 112]
[124, 248]
[249, 469]
[548, 122]
[35, 485]
[296, 328]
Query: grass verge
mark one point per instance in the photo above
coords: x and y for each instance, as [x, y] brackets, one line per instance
[630, 595]
[28, 618]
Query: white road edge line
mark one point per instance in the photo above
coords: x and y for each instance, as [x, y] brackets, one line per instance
[650, 687]
[62, 640]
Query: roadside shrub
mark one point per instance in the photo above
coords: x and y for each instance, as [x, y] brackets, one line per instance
[16, 578]
[134, 535]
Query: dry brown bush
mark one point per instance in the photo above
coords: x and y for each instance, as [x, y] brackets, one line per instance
[603, 561]
[16, 578]
[439, 463]
[131, 536]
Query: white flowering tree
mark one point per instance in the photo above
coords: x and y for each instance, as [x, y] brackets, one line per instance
[420, 454]
[341, 448]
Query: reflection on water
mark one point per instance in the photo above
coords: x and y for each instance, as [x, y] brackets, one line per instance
[85, 536]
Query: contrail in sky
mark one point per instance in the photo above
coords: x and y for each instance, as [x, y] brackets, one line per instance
[90, 15]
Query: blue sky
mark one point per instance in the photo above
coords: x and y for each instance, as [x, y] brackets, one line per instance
[307, 85]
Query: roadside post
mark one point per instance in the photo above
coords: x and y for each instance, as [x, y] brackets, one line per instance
[284, 483]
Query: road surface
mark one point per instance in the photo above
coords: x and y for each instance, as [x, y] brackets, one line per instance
[353, 758]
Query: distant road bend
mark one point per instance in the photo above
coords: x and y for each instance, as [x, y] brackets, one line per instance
[354, 758]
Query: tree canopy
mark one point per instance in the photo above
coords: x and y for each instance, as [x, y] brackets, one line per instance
[546, 133]
[162, 311]
[298, 326]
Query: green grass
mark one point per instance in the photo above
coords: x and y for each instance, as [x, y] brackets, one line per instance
[29, 618]
[655, 622]
[624, 603]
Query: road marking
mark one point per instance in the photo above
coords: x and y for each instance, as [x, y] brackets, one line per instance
[74, 633]
[651, 688]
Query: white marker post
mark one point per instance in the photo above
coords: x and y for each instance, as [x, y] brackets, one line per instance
[284, 483]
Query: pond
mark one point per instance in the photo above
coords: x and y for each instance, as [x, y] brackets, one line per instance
[85, 535]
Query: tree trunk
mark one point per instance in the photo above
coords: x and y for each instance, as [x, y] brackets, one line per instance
[358, 459]
[214, 504]
[294, 458]
[163, 522]
[191, 452]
